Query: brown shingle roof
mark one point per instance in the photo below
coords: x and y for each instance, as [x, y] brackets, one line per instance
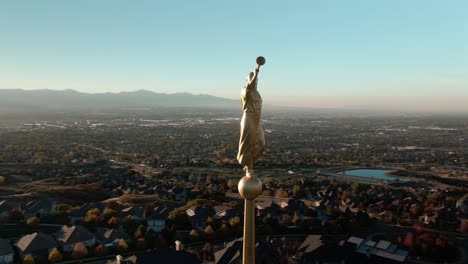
[74, 234]
[35, 241]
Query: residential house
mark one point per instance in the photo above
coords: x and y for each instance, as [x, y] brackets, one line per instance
[36, 244]
[5, 209]
[110, 237]
[179, 193]
[39, 208]
[157, 220]
[138, 213]
[232, 253]
[68, 237]
[198, 216]
[163, 255]
[6, 252]
[296, 205]
[225, 212]
[376, 251]
[266, 205]
[462, 204]
[316, 250]
[77, 216]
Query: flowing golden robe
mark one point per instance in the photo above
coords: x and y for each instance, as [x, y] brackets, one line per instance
[252, 139]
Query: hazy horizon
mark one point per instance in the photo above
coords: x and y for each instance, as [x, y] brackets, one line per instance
[363, 107]
[400, 55]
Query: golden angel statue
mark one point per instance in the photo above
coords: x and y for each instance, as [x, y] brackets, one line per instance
[252, 140]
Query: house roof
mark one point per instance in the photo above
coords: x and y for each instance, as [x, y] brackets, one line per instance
[355, 240]
[73, 234]
[200, 212]
[383, 244]
[232, 252]
[263, 203]
[221, 208]
[36, 205]
[329, 252]
[5, 247]
[161, 213]
[164, 255]
[311, 243]
[83, 210]
[133, 211]
[35, 241]
[107, 235]
[4, 206]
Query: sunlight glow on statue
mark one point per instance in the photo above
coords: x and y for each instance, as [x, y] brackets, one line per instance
[252, 140]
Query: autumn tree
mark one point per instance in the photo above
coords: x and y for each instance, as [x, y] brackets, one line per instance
[33, 222]
[464, 226]
[113, 222]
[108, 214]
[55, 256]
[92, 218]
[122, 246]
[329, 210]
[15, 216]
[140, 243]
[129, 224]
[235, 221]
[280, 193]
[100, 251]
[79, 251]
[408, 242]
[194, 235]
[224, 233]
[209, 232]
[139, 233]
[28, 259]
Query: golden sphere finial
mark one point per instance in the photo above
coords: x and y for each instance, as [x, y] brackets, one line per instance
[250, 187]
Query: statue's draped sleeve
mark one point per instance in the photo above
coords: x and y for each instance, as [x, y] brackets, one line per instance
[252, 140]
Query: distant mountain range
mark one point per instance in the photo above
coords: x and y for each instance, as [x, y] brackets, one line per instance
[73, 100]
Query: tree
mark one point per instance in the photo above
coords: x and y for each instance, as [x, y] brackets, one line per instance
[464, 226]
[355, 186]
[79, 251]
[92, 218]
[113, 222]
[296, 189]
[194, 235]
[2, 180]
[209, 232]
[234, 221]
[295, 219]
[285, 218]
[108, 214]
[140, 244]
[28, 259]
[129, 224]
[55, 256]
[15, 216]
[280, 193]
[95, 211]
[408, 242]
[224, 233]
[210, 220]
[329, 210]
[63, 209]
[122, 246]
[101, 251]
[139, 233]
[33, 222]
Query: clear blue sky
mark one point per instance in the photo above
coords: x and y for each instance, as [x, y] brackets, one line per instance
[409, 54]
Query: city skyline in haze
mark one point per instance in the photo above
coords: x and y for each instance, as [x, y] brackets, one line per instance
[362, 54]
